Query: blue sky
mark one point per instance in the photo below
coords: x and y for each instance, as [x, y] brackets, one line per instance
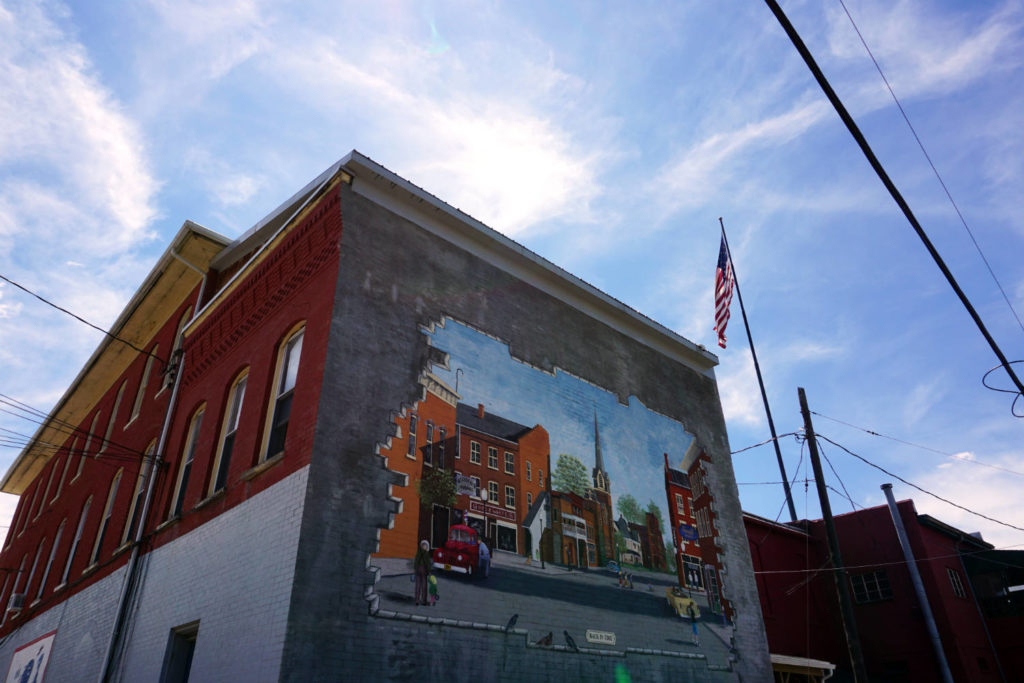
[608, 138]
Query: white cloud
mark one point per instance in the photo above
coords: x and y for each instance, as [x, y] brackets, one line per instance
[741, 398]
[919, 401]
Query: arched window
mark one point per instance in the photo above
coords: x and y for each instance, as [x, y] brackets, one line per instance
[101, 533]
[171, 371]
[185, 469]
[222, 461]
[77, 539]
[140, 393]
[135, 507]
[35, 563]
[284, 389]
[49, 562]
[112, 418]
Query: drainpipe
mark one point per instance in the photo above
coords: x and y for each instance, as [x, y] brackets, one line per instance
[915, 577]
[121, 614]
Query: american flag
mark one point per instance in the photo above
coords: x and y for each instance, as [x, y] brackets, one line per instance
[723, 291]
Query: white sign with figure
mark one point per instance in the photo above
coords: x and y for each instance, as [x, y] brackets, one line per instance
[29, 662]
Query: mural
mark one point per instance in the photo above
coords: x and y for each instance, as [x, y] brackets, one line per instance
[537, 503]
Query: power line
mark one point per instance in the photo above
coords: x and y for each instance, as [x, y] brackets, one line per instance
[924, 448]
[915, 486]
[766, 441]
[930, 163]
[81, 319]
[893, 563]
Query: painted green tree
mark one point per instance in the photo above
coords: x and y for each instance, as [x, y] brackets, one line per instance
[437, 487]
[570, 475]
[630, 509]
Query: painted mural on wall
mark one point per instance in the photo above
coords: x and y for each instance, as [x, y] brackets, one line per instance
[539, 503]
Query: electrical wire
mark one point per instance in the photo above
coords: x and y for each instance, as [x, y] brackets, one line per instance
[81, 319]
[954, 456]
[922, 490]
[1017, 394]
[892, 563]
[938, 176]
[845, 494]
[766, 441]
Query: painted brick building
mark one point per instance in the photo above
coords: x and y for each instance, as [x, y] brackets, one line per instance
[214, 498]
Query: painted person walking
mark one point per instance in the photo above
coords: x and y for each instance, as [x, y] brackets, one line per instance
[421, 566]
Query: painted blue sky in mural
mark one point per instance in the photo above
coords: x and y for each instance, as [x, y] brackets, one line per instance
[634, 439]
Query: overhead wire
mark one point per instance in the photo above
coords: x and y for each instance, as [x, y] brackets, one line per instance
[954, 456]
[919, 488]
[935, 170]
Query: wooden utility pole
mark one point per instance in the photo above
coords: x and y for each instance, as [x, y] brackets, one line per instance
[860, 674]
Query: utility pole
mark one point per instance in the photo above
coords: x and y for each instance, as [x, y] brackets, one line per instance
[860, 674]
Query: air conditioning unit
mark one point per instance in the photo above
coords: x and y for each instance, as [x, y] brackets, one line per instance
[16, 603]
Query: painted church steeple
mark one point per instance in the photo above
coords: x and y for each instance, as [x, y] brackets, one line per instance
[601, 482]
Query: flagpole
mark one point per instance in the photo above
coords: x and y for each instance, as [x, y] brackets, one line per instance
[760, 380]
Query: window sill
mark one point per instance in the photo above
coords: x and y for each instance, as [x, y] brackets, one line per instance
[120, 549]
[262, 467]
[59, 588]
[493, 467]
[216, 495]
[34, 603]
[130, 422]
[167, 523]
[410, 457]
[90, 569]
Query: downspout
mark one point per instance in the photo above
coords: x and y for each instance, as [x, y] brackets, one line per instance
[915, 577]
[120, 615]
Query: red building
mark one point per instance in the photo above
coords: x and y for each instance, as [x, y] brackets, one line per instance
[683, 527]
[800, 607]
[705, 516]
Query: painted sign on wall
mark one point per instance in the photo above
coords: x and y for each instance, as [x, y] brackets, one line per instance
[28, 665]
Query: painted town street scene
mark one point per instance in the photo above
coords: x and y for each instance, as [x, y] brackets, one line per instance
[549, 507]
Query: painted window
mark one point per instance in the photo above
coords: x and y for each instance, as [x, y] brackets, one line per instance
[108, 509]
[49, 562]
[510, 463]
[540, 478]
[529, 499]
[181, 485]
[680, 504]
[413, 427]
[222, 461]
[529, 473]
[77, 539]
[958, 585]
[140, 393]
[476, 486]
[492, 491]
[492, 457]
[285, 377]
[474, 452]
[428, 451]
[510, 496]
[871, 587]
[442, 435]
[135, 507]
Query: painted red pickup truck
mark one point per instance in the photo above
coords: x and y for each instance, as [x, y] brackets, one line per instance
[463, 553]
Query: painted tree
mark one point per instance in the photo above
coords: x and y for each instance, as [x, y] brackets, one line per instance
[570, 475]
[437, 487]
[630, 509]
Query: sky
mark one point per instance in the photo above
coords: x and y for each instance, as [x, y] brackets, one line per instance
[608, 138]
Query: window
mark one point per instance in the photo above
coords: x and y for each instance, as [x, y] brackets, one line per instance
[175, 358]
[510, 496]
[222, 461]
[529, 499]
[413, 426]
[49, 483]
[492, 457]
[442, 435]
[428, 452]
[28, 510]
[871, 587]
[287, 372]
[35, 563]
[76, 540]
[178, 659]
[105, 519]
[49, 562]
[88, 444]
[476, 486]
[186, 463]
[492, 491]
[529, 473]
[474, 452]
[63, 475]
[540, 478]
[958, 585]
[510, 463]
[112, 418]
[680, 504]
[141, 392]
[135, 507]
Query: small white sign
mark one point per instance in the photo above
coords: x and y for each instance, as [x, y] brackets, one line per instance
[600, 637]
[464, 485]
[30, 660]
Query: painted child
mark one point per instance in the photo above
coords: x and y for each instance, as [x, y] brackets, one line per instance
[432, 587]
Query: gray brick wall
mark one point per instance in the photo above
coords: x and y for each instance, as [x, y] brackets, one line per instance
[395, 280]
[234, 575]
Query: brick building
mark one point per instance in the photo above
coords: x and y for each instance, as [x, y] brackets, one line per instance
[683, 526]
[236, 467]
